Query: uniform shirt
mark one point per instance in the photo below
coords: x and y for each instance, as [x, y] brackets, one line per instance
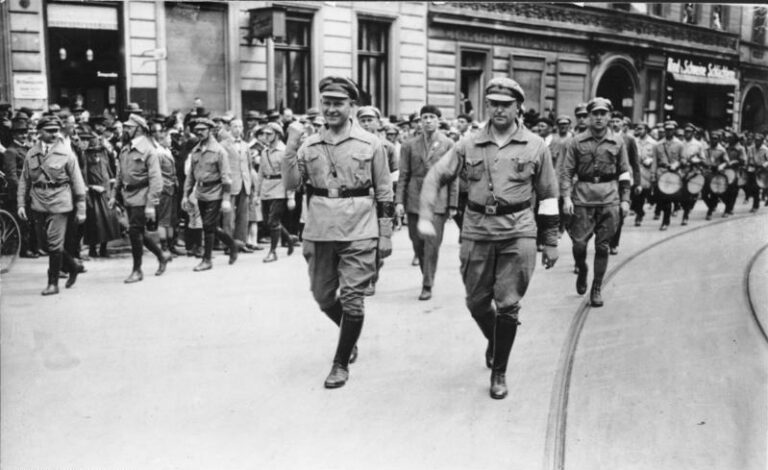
[519, 168]
[13, 162]
[167, 170]
[590, 157]
[270, 179]
[692, 148]
[55, 164]
[737, 154]
[557, 147]
[360, 162]
[239, 165]
[761, 156]
[416, 158]
[209, 171]
[715, 156]
[630, 144]
[393, 158]
[667, 152]
[645, 148]
[138, 164]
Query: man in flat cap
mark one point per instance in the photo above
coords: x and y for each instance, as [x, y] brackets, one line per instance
[52, 181]
[582, 118]
[417, 155]
[600, 197]
[505, 164]
[618, 127]
[12, 164]
[349, 215]
[557, 148]
[369, 119]
[210, 179]
[667, 155]
[140, 182]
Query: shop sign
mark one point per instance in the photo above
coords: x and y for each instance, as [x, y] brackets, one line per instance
[29, 86]
[689, 67]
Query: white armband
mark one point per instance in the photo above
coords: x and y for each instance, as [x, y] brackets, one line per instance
[625, 176]
[548, 206]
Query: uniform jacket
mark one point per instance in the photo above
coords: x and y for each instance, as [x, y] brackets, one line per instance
[270, 179]
[360, 162]
[239, 165]
[692, 148]
[167, 170]
[715, 156]
[393, 158]
[632, 157]
[645, 159]
[519, 169]
[557, 147]
[761, 156]
[58, 165]
[138, 163]
[667, 152]
[13, 162]
[590, 157]
[415, 161]
[209, 173]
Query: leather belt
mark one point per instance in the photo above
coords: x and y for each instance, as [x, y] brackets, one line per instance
[133, 187]
[272, 177]
[208, 184]
[41, 185]
[497, 209]
[335, 193]
[597, 179]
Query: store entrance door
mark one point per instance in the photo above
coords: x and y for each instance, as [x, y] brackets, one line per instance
[617, 85]
[753, 114]
[84, 56]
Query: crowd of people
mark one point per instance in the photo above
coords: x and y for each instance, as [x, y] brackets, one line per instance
[342, 179]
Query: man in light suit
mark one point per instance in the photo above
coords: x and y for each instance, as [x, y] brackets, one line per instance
[236, 222]
[417, 156]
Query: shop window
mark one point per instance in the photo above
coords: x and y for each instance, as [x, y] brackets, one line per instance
[691, 13]
[472, 78]
[719, 17]
[759, 23]
[373, 63]
[656, 9]
[292, 64]
[528, 71]
[654, 97]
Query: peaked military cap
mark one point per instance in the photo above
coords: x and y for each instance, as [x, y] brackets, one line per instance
[49, 122]
[504, 89]
[334, 86]
[598, 103]
[136, 121]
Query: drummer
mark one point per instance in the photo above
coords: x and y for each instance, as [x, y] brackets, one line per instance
[758, 163]
[666, 157]
[737, 157]
[691, 161]
[715, 159]
[645, 144]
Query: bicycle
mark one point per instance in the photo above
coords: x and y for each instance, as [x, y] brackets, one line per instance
[10, 233]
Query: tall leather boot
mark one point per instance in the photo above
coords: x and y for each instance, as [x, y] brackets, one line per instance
[348, 335]
[274, 237]
[137, 252]
[72, 266]
[486, 322]
[54, 266]
[233, 248]
[162, 258]
[504, 336]
[595, 296]
[334, 312]
[206, 264]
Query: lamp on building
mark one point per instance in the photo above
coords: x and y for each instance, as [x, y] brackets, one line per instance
[266, 23]
[89, 55]
[62, 54]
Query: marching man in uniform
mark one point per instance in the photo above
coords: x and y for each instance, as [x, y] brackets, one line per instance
[349, 215]
[600, 197]
[52, 179]
[505, 164]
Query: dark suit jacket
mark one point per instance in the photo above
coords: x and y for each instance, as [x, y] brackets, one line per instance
[415, 161]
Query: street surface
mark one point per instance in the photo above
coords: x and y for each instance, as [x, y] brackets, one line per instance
[224, 369]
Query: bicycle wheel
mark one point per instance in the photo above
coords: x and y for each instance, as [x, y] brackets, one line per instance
[10, 241]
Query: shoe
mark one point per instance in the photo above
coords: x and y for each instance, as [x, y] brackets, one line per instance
[72, 278]
[52, 289]
[498, 385]
[135, 276]
[175, 251]
[271, 257]
[638, 222]
[337, 377]
[85, 258]
[370, 290]
[233, 252]
[656, 216]
[595, 297]
[163, 263]
[753, 210]
[93, 253]
[581, 281]
[614, 251]
[254, 247]
[199, 252]
[245, 249]
[415, 261]
[708, 216]
[684, 222]
[204, 265]
[353, 356]
[42, 252]
[426, 293]
[663, 227]
[29, 254]
[292, 243]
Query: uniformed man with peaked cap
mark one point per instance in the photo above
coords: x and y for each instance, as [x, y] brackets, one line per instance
[349, 215]
[506, 165]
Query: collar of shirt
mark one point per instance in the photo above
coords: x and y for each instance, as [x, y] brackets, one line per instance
[521, 135]
[353, 131]
[610, 136]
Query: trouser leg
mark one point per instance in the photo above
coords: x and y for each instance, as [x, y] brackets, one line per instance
[432, 251]
[416, 240]
[136, 223]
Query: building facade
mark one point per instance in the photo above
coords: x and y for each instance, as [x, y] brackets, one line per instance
[703, 63]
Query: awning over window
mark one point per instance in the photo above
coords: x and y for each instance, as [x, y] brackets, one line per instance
[721, 81]
[67, 15]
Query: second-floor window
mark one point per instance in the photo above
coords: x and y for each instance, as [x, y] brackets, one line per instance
[292, 65]
[719, 19]
[691, 13]
[372, 62]
[759, 24]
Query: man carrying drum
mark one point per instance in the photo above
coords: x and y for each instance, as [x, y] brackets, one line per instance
[645, 144]
[691, 161]
[667, 155]
[715, 159]
[737, 158]
[757, 161]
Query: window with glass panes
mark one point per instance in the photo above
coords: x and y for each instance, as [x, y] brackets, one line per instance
[292, 65]
[372, 63]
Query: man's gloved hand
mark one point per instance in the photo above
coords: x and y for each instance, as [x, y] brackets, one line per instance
[385, 247]
[426, 228]
[624, 209]
[549, 256]
[226, 206]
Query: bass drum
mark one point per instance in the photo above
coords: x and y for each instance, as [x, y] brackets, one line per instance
[670, 183]
[694, 184]
[718, 184]
[761, 178]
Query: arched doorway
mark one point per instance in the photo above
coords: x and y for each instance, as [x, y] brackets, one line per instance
[753, 112]
[619, 85]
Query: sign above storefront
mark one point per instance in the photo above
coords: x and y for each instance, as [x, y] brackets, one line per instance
[266, 23]
[708, 70]
[29, 86]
